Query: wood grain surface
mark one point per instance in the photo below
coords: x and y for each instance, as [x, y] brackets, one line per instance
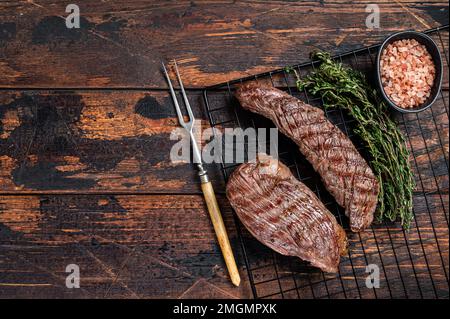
[121, 43]
[85, 170]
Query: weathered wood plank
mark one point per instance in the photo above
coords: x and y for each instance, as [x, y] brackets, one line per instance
[120, 43]
[126, 246]
[134, 246]
[93, 141]
[78, 141]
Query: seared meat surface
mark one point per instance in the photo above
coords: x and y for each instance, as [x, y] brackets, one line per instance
[284, 214]
[344, 172]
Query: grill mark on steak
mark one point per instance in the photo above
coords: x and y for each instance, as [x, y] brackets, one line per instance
[284, 214]
[344, 172]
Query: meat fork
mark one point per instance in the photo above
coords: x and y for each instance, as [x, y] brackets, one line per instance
[207, 189]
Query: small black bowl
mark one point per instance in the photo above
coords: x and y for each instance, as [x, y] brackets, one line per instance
[437, 59]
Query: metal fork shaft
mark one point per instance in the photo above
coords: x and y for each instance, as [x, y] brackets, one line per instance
[207, 188]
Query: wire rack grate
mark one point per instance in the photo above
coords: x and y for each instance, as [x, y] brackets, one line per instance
[411, 264]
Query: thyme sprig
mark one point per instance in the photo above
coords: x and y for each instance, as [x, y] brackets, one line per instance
[345, 88]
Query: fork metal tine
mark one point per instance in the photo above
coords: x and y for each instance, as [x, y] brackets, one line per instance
[183, 92]
[174, 98]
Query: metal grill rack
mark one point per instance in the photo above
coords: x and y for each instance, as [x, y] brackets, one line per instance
[411, 264]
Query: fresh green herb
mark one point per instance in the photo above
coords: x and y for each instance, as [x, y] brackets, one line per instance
[347, 89]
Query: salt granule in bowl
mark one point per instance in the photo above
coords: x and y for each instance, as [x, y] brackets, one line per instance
[409, 68]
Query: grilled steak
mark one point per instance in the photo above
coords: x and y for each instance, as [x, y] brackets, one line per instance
[344, 172]
[284, 214]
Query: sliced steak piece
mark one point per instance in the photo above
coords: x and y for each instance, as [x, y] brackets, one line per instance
[284, 214]
[344, 172]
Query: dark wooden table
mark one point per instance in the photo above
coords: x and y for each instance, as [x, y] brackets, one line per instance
[85, 174]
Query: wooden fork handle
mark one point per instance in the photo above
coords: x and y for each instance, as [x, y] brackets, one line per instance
[221, 232]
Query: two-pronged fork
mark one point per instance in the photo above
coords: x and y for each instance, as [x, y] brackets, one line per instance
[207, 189]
